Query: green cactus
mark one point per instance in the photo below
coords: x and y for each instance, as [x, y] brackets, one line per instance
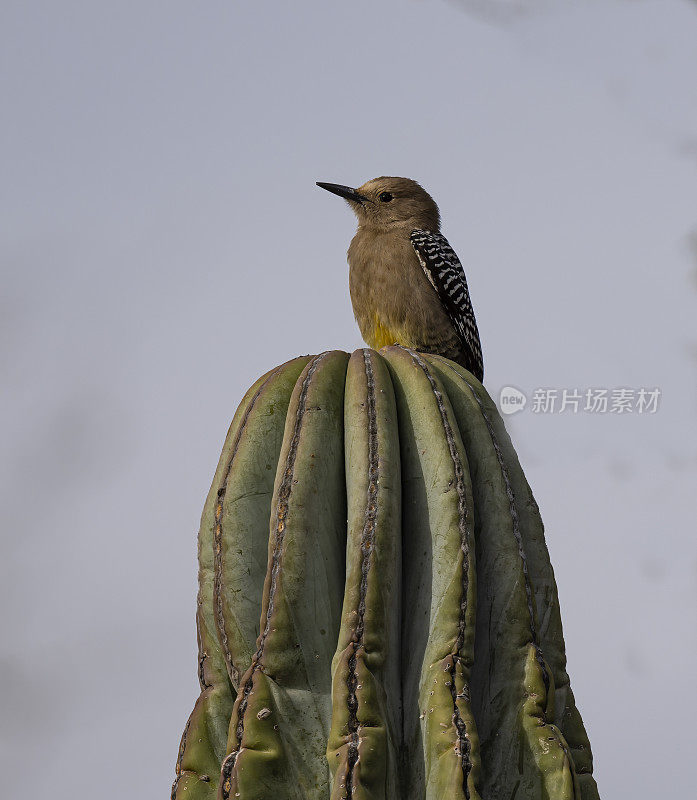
[397, 633]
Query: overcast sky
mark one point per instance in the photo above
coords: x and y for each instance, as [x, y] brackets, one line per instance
[163, 244]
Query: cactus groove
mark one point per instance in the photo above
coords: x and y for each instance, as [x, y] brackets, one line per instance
[367, 543]
[377, 614]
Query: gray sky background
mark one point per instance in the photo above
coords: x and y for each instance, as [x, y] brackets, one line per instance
[163, 244]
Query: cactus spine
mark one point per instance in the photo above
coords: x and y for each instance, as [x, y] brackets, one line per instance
[377, 613]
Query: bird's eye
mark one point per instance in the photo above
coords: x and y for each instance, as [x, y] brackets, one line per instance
[384, 197]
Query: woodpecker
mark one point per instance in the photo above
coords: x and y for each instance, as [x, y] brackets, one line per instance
[407, 284]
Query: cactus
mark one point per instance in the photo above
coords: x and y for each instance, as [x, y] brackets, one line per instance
[397, 633]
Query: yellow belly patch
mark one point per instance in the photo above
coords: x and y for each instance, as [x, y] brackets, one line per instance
[381, 336]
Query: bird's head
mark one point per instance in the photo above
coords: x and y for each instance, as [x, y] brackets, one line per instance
[384, 203]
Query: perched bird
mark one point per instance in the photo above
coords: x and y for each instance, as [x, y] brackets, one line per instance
[407, 284]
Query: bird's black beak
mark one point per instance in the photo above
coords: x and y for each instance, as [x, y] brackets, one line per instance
[343, 191]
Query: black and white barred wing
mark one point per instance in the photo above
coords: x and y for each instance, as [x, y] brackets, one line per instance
[444, 270]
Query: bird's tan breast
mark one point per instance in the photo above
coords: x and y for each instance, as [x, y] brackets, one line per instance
[393, 300]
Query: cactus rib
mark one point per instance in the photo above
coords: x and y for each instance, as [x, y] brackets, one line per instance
[367, 542]
[538, 701]
[218, 536]
[363, 744]
[278, 727]
[215, 701]
[281, 511]
[244, 519]
[549, 626]
[464, 746]
[438, 647]
[515, 520]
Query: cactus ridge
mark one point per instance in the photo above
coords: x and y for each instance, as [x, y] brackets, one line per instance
[556, 733]
[218, 536]
[203, 742]
[464, 747]
[367, 543]
[515, 520]
[202, 654]
[228, 765]
[535, 706]
[377, 614]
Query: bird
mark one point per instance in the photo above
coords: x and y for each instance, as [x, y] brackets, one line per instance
[406, 283]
